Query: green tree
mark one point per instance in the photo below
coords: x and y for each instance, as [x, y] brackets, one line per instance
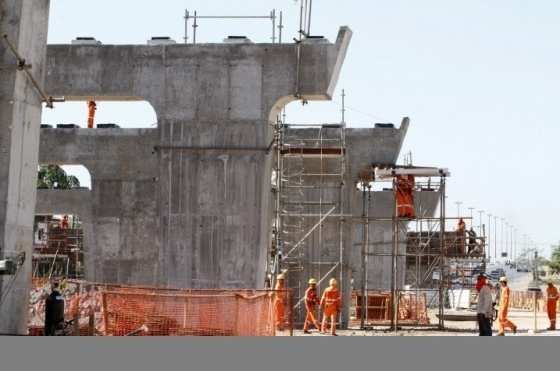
[54, 177]
[554, 262]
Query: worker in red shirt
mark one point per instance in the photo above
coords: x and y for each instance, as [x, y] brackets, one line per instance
[551, 301]
[65, 224]
[311, 302]
[330, 303]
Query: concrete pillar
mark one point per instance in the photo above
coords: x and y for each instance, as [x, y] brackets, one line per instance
[25, 23]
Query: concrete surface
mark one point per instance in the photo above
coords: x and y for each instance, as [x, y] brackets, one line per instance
[25, 22]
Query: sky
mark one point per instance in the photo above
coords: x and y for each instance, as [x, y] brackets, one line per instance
[478, 79]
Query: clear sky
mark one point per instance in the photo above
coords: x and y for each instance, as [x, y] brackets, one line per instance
[479, 80]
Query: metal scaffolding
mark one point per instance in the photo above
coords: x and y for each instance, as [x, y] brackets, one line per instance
[428, 263]
[309, 184]
[417, 264]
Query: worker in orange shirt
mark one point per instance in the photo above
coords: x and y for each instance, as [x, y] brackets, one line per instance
[92, 107]
[279, 302]
[552, 299]
[330, 304]
[405, 196]
[503, 321]
[311, 302]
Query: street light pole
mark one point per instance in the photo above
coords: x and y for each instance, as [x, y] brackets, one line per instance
[472, 221]
[495, 238]
[488, 243]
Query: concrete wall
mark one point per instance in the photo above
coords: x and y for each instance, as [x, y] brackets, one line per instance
[25, 22]
[199, 217]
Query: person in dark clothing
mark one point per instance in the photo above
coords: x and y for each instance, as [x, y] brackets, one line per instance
[54, 310]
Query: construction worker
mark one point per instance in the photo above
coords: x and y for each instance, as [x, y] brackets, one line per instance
[330, 304]
[92, 107]
[405, 196]
[311, 302]
[54, 310]
[503, 321]
[65, 223]
[485, 308]
[461, 227]
[279, 302]
[551, 301]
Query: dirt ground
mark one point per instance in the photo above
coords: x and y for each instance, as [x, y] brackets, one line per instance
[523, 319]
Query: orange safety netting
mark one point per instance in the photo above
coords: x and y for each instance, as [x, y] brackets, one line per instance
[218, 314]
[118, 310]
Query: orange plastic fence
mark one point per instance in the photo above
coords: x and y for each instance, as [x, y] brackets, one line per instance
[118, 310]
[526, 300]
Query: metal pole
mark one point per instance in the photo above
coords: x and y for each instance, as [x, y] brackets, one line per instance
[280, 27]
[343, 106]
[186, 26]
[394, 299]
[309, 17]
[364, 257]
[305, 18]
[442, 252]
[495, 238]
[488, 245]
[195, 26]
[301, 20]
[458, 203]
[273, 18]
[471, 209]
[480, 212]
[502, 237]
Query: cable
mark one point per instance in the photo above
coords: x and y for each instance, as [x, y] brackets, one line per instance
[359, 111]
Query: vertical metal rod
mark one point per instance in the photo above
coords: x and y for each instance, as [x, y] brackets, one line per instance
[488, 243]
[301, 20]
[273, 18]
[495, 238]
[309, 17]
[195, 26]
[364, 257]
[186, 26]
[442, 252]
[280, 27]
[395, 249]
[343, 106]
[304, 29]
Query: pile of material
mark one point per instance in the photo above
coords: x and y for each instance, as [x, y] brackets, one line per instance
[412, 308]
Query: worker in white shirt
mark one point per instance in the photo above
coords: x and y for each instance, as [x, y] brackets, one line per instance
[484, 309]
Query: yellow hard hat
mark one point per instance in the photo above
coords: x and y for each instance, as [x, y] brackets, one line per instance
[503, 279]
[312, 281]
[333, 282]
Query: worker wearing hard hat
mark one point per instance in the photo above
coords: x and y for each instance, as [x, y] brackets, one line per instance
[279, 302]
[330, 303]
[551, 301]
[311, 302]
[503, 321]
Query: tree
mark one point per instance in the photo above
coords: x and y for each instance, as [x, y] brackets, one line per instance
[54, 177]
[554, 262]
